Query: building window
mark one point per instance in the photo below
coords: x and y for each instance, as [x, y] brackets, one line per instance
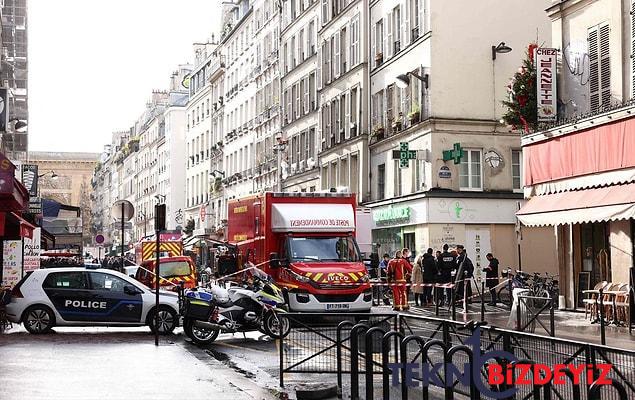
[396, 27]
[381, 181]
[354, 40]
[333, 178]
[343, 50]
[310, 39]
[517, 169]
[379, 42]
[398, 179]
[414, 19]
[354, 174]
[419, 175]
[312, 92]
[470, 170]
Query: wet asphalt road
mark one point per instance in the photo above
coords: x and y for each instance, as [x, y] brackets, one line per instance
[117, 363]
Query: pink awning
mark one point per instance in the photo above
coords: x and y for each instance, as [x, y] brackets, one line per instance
[610, 203]
[607, 147]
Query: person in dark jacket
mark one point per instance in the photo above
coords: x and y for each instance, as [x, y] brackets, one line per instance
[491, 275]
[446, 263]
[429, 266]
[464, 264]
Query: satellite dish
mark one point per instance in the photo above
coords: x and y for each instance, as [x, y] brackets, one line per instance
[310, 162]
[122, 208]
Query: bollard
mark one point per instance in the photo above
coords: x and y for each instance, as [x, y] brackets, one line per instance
[602, 333]
[482, 300]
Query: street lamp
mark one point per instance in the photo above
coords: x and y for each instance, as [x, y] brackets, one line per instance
[20, 126]
[403, 80]
[502, 48]
[218, 174]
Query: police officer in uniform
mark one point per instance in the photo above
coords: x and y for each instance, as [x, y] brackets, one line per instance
[447, 262]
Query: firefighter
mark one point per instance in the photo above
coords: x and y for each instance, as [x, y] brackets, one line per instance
[398, 269]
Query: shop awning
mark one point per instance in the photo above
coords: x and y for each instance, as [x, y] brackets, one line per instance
[610, 203]
[26, 228]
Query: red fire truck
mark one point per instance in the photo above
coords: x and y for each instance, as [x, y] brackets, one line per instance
[306, 242]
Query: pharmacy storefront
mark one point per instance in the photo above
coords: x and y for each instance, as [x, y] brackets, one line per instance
[482, 225]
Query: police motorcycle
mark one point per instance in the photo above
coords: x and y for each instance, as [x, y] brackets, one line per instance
[255, 304]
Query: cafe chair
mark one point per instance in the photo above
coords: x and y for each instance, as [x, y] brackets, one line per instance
[591, 302]
[622, 303]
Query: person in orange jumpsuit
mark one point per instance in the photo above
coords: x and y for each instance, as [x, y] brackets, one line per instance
[398, 268]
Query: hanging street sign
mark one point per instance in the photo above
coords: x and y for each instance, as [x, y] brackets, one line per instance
[455, 154]
[546, 64]
[404, 155]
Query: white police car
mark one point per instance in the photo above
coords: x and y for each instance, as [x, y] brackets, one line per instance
[76, 296]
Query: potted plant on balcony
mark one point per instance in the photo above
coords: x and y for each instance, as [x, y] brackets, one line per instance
[379, 58]
[414, 114]
[378, 132]
[396, 123]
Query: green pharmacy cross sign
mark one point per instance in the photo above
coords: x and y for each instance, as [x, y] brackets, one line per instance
[404, 155]
[455, 154]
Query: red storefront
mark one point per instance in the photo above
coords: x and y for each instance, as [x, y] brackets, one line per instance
[14, 200]
[580, 178]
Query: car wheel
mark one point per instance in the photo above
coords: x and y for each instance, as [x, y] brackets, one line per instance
[38, 319]
[199, 335]
[276, 325]
[168, 320]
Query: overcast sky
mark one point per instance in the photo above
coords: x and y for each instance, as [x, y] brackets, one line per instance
[93, 64]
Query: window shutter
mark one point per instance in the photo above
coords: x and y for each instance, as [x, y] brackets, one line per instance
[347, 119]
[336, 58]
[373, 44]
[422, 16]
[319, 63]
[605, 66]
[388, 42]
[594, 75]
[306, 95]
[406, 24]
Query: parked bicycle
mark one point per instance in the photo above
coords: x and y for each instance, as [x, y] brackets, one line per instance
[543, 287]
[518, 280]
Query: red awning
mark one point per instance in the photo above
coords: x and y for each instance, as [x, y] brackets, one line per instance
[26, 228]
[13, 194]
[610, 203]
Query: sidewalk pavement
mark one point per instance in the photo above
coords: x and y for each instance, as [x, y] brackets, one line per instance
[97, 363]
[569, 324]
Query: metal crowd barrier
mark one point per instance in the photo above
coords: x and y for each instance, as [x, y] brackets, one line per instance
[359, 348]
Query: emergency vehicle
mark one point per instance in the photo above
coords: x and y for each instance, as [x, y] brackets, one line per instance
[306, 242]
[78, 296]
[147, 249]
[175, 268]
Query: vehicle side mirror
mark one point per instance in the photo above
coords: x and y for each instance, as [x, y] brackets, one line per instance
[131, 290]
[274, 261]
